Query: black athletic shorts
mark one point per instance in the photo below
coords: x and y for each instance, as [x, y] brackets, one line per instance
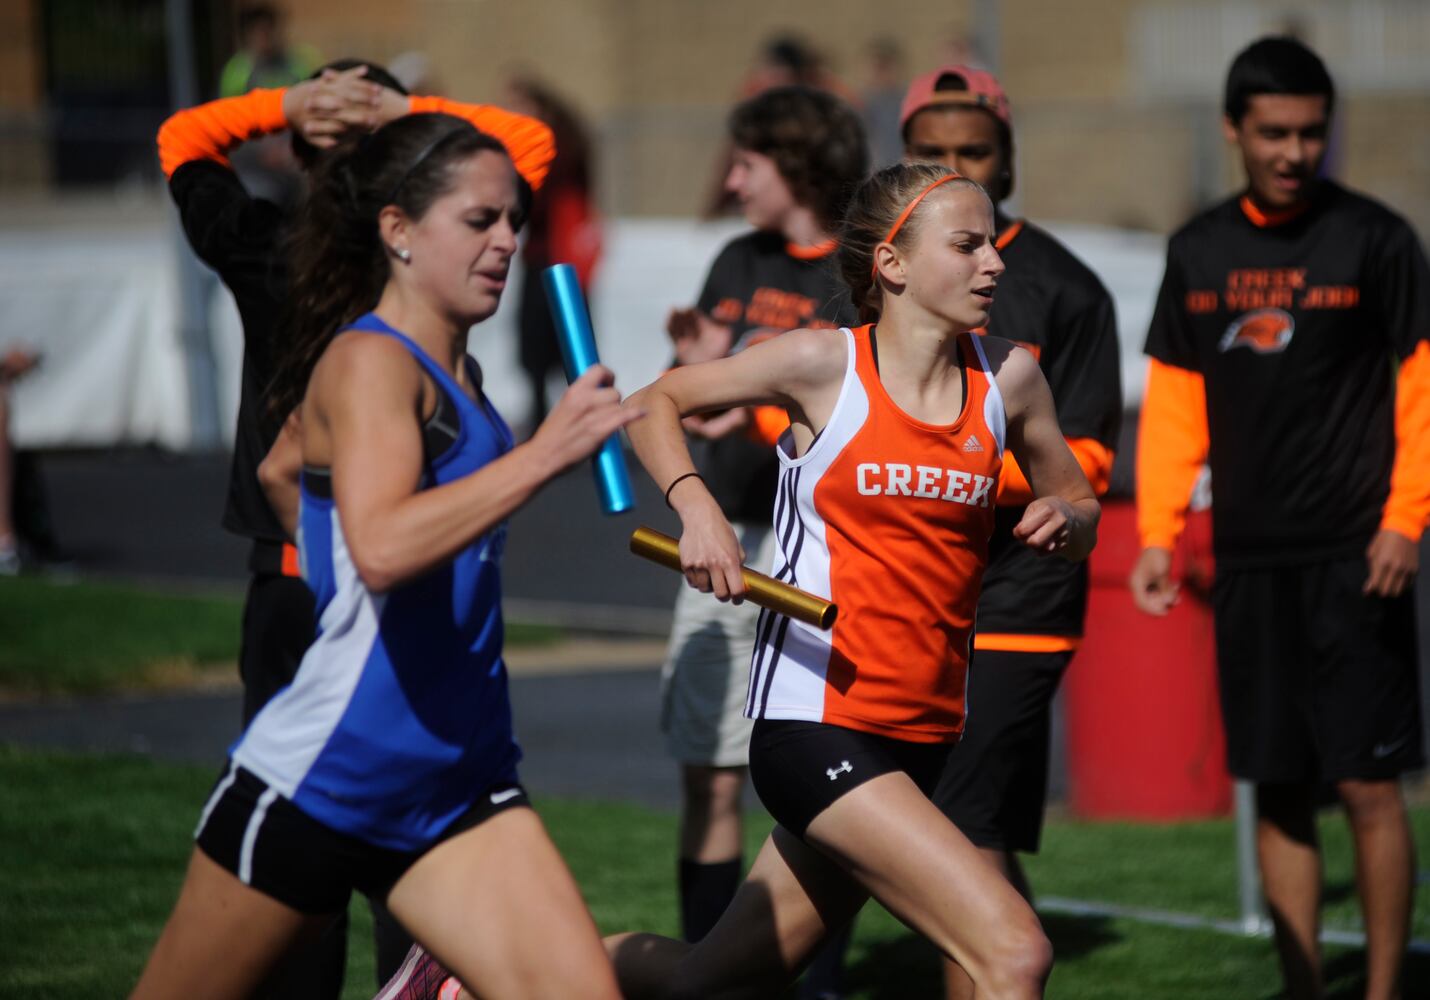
[275, 847]
[800, 768]
[996, 780]
[1318, 681]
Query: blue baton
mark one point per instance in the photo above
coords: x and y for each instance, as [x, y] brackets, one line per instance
[578, 352]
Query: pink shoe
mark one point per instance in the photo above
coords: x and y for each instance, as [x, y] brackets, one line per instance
[421, 977]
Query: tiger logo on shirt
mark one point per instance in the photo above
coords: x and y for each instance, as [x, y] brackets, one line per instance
[1265, 331]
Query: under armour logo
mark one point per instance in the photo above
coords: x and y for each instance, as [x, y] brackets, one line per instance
[972, 444]
[835, 772]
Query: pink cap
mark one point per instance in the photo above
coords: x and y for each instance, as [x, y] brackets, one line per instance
[983, 91]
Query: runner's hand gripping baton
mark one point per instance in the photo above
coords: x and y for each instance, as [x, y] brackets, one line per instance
[763, 590]
[578, 352]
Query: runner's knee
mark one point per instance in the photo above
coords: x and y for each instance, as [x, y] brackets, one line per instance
[1017, 964]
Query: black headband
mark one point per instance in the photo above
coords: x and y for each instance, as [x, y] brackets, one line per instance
[427, 151]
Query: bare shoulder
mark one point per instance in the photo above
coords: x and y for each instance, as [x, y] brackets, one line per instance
[366, 364]
[1014, 368]
[360, 354]
[813, 355]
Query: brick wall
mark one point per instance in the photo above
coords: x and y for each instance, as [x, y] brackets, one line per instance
[656, 78]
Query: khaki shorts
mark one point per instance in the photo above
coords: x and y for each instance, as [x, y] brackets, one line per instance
[707, 668]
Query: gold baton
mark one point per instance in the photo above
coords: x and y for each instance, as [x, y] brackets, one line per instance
[765, 591]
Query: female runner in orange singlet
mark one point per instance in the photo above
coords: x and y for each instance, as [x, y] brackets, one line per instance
[885, 504]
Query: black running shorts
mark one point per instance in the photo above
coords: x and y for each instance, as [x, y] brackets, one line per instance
[800, 768]
[1318, 681]
[275, 847]
[996, 780]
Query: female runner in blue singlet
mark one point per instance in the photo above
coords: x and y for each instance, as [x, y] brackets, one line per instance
[389, 764]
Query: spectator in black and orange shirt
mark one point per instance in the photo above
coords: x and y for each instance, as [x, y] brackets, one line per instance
[1289, 349]
[241, 238]
[799, 153]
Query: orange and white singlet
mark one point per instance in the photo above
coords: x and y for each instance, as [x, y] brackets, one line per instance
[890, 517]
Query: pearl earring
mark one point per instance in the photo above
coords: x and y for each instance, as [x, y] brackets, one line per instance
[404, 254]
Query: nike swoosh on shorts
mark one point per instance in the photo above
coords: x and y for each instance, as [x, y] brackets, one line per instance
[1386, 749]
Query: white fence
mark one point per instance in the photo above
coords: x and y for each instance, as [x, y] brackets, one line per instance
[102, 306]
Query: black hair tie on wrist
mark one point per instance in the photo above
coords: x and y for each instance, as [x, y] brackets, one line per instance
[676, 482]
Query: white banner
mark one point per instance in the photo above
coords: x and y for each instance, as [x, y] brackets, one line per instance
[102, 308]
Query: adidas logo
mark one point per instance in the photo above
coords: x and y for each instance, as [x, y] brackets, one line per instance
[972, 444]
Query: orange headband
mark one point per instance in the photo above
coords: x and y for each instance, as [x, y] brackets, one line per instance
[908, 211]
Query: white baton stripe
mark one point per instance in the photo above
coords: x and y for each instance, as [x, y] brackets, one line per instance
[250, 836]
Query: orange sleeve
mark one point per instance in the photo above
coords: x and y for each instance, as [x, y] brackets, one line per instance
[1408, 505]
[528, 141]
[1172, 443]
[209, 131]
[1093, 457]
[767, 423]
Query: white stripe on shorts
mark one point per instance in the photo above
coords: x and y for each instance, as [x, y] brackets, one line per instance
[219, 789]
[250, 835]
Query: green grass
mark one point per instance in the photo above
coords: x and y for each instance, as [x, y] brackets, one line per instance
[88, 638]
[1081, 860]
[94, 849]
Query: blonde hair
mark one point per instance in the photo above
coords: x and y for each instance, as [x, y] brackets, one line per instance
[875, 207]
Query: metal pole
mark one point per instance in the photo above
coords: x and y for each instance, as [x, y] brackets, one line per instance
[1248, 878]
[193, 280]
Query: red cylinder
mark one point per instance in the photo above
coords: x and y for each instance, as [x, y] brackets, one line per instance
[1144, 728]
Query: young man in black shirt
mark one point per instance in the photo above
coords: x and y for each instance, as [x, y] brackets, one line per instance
[1289, 349]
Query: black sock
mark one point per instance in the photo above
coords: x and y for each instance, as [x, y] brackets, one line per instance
[705, 891]
[390, 942]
